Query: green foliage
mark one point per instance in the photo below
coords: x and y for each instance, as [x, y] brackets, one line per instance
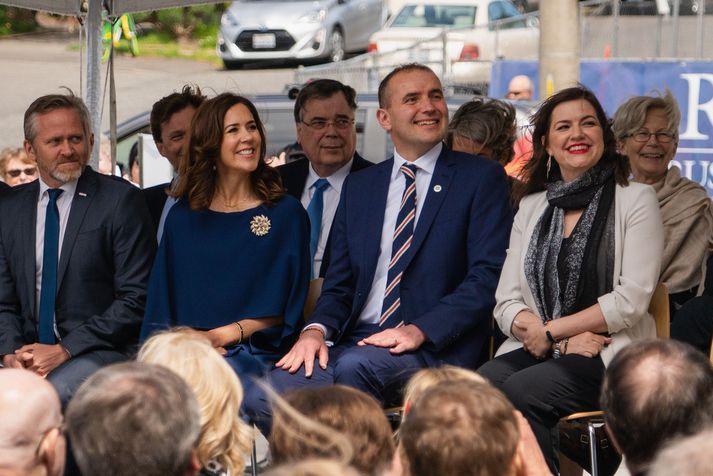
[17, 20]
[199, 22]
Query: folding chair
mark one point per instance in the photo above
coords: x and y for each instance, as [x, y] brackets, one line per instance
[659, 310]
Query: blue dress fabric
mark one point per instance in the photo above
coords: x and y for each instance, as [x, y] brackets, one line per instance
[212, 270]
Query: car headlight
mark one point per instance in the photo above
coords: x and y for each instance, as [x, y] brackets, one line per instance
[228, 19]
[315, 16]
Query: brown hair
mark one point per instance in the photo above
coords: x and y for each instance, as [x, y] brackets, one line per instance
[460, 427]
[534, 173]
[383, 95]
[167, 106]
[51, 102]
[344, 409]
[197, 172]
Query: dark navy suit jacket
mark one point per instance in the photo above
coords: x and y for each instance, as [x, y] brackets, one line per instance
[294, 178]
[103, 269]
[454, 262]
[155, 200]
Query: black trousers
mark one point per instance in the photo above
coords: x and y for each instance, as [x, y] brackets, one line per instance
[547, 390]
[693, 323]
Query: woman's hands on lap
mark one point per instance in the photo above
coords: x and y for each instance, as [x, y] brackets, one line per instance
[587, 344]
[529, 329]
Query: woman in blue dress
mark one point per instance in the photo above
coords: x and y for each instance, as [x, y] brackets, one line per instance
[233, 262]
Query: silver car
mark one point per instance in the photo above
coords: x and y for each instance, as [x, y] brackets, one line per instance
[256, 30]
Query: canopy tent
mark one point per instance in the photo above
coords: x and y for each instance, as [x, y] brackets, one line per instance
[90, 13]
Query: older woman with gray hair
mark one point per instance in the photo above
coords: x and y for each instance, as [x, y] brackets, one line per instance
[486, 128]
[646, 129]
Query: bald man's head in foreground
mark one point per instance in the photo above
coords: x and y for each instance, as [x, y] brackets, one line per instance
[31, 440]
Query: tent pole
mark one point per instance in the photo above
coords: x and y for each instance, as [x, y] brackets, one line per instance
[94, 54]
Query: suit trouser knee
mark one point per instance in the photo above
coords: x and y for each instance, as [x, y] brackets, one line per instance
[67, 378]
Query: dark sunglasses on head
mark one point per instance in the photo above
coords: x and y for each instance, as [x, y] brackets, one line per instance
[14, 173]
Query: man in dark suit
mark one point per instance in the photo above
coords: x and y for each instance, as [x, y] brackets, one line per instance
[418, 245]
[324, 117]
[170, 123]
[75, 254]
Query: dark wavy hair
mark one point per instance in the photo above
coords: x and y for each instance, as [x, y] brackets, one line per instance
[197, 174]
[534, 173]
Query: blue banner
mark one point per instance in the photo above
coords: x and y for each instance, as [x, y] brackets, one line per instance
[615, 81]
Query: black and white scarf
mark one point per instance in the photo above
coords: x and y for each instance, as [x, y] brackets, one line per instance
[590, 261]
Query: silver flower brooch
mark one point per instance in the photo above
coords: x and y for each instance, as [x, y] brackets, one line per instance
[260, 225]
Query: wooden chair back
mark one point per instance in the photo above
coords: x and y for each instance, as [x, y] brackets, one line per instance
[315, 289]
[659, 309]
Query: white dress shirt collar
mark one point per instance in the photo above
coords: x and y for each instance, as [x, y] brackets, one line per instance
[427, 162]
[336, 180]
[69, 188]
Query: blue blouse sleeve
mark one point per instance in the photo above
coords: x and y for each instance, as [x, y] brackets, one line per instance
[295, 250]
[158, 314]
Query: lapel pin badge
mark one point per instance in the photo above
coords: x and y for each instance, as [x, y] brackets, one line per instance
[82, 194]
[437, 188]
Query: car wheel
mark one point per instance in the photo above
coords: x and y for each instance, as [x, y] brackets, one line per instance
[232, 64]
[336, 46]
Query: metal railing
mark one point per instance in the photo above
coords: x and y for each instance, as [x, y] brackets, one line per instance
[660, 34]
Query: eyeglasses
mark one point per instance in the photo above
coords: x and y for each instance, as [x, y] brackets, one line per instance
[644, 136]
[320, 124]
[14, 173]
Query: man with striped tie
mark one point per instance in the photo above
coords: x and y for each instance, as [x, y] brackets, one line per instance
[418, 244]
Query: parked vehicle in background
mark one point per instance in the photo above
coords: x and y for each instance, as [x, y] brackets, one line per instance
[470, 32]
[652, 7]
[299, 30]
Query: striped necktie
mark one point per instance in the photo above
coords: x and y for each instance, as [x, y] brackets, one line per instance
[403, 235]
[49, 269]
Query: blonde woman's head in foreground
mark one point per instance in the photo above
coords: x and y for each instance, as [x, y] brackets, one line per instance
[428, 377]
[224, 437]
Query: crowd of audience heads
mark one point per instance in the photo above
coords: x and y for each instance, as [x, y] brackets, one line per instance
[600, 218]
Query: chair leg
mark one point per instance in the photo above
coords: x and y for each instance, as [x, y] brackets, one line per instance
[593, 448]
[253, 460]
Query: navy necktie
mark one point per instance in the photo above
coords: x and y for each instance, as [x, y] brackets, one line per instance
[49, 269]
[403, 236]
[314, 211]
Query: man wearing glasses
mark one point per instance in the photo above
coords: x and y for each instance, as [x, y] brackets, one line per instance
[324, 117]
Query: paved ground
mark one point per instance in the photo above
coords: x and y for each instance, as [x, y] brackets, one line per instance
[39, 64]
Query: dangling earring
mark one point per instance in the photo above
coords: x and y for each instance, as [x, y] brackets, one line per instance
[549, 166]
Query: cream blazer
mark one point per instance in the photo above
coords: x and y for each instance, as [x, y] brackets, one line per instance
[638, 248]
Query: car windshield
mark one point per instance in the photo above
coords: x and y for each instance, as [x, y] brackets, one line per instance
[438, 16]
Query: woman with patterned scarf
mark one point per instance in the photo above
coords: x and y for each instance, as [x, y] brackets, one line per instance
[583, 263]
